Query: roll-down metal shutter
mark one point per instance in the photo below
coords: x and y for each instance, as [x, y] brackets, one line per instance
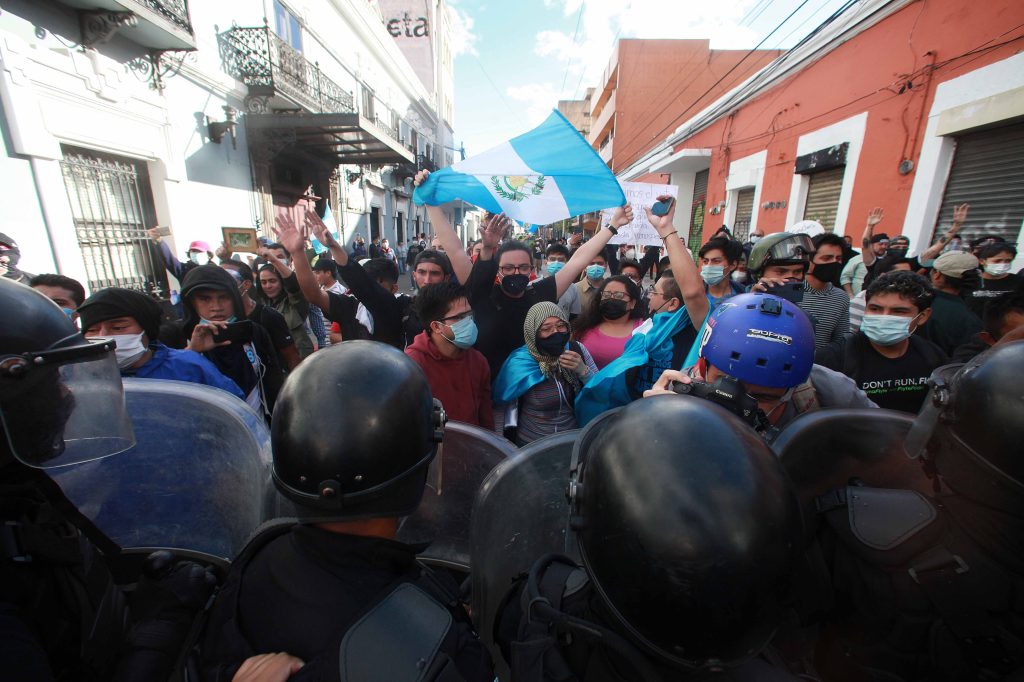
[744, 211]
[988, 174]
[823, 197]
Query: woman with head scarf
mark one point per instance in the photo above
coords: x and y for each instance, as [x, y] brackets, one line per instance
[536, 389]
[277, 287]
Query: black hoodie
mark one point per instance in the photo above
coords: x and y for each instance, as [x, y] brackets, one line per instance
[232, 360]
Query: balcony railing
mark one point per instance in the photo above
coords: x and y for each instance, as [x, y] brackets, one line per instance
[268, 66]
[174, 11]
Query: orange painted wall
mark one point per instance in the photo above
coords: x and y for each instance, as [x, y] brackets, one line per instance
[659, 79]
[864, 74]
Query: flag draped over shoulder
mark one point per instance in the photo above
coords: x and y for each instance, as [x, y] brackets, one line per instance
[609, 388]
[548, 174]
[518, 374]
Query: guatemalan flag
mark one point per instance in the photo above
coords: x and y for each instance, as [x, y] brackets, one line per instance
[548, 174]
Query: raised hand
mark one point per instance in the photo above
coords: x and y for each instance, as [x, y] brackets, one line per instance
[623, 216]
[662, 223]
[960, 215]
[288, 235]
[494, 230]
[319, 230]
[223, 252]
[202, 336]
[421, 177]
[875, 216]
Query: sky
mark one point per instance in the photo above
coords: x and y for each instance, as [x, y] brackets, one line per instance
[514, 59]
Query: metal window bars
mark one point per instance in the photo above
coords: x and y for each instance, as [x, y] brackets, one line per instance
[110, 216]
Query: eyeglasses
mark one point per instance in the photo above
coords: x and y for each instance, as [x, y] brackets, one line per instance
[617, 295]
[459, 317]
[523, 269]
[554, 328]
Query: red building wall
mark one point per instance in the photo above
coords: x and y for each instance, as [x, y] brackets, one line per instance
[890, 71]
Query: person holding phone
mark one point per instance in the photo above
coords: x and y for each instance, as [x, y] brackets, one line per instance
[132, 319]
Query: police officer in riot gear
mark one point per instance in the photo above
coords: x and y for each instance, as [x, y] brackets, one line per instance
[353, 434]
[928, 586]
[684, 554]
[61, 614]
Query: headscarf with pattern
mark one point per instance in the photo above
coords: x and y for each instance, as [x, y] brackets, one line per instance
[549, 366]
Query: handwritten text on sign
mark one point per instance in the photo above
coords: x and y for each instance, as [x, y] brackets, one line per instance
[639, 195]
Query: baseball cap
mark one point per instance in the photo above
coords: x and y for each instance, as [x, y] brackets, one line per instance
[955, 263]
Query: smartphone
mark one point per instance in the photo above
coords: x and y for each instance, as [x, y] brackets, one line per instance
[236, 332]
[661, 208]
[791, 291]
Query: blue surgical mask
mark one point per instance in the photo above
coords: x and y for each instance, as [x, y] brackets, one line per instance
[595, 271]
[555, 266]
[69, 312]
[886, 330]
[463, 333]
[712, 274]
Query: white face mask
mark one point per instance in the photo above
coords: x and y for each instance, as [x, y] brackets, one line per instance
[630, 254]
[129, 348]
[997, 269]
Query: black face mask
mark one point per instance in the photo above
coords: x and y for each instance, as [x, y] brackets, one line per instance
[514, 285]
[554, 345]
[828, 272]
[613, 308]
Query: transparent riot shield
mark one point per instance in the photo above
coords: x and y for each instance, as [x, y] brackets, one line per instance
[520, 514]
[825, 449]
[195, 480]
[465, 458]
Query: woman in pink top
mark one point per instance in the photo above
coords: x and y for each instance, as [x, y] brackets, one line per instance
[607, 323]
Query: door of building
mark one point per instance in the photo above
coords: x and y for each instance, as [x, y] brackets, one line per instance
[374, 222]
[112, 206]
[697, 210]
[823, 197]
[744, 212]
[988, 174]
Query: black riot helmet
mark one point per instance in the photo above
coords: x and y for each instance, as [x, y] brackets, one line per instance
[690, 539]
[354, 430]
[61, 399]
[971, 428]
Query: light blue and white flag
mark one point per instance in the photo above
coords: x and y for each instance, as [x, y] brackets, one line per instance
[548, 174]
[332, 227]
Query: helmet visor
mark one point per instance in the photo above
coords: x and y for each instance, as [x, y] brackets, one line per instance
[74, 413]
[797, 248]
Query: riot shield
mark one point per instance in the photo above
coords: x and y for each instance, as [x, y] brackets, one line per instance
[465, 458]
[823, 450]
[521, 513]
[195, 480]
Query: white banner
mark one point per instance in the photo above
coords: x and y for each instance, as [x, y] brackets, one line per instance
[640, 232]
[410, 23]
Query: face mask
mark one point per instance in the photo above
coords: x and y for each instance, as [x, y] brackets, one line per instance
[886, 330]
[712, 274]
[595, 271]
[555, 266]
[630, 254]
[129, 349]
[70, 313]
[755, 238]
[199, 258]
[612, 308]
[828, 272]
[514, 285]
[233, 318]
[553, 345]
[463, 333]
[997, 268]
[739, 277]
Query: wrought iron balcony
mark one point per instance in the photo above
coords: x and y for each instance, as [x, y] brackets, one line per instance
[157, 24]
[271, 68]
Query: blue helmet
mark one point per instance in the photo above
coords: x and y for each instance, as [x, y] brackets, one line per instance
[761, 340]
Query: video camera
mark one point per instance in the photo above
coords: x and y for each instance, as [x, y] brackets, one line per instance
[727, 392]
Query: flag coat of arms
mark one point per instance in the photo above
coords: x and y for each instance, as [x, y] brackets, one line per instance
[548, 174]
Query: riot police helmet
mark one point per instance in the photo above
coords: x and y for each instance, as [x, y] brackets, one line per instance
[61, 398]
[781, 248]
[690, 540]
[353, 433]
[972, 426]
[760, 339]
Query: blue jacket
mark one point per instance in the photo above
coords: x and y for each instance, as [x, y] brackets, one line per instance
[184, 365]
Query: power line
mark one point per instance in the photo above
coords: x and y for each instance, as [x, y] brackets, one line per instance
[752, 19]
[500, 93]
[576, 33]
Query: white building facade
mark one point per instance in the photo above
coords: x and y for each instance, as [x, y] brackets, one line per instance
[196, 116]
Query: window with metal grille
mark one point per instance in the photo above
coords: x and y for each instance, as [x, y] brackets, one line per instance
[112, 205]
[744, 213]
